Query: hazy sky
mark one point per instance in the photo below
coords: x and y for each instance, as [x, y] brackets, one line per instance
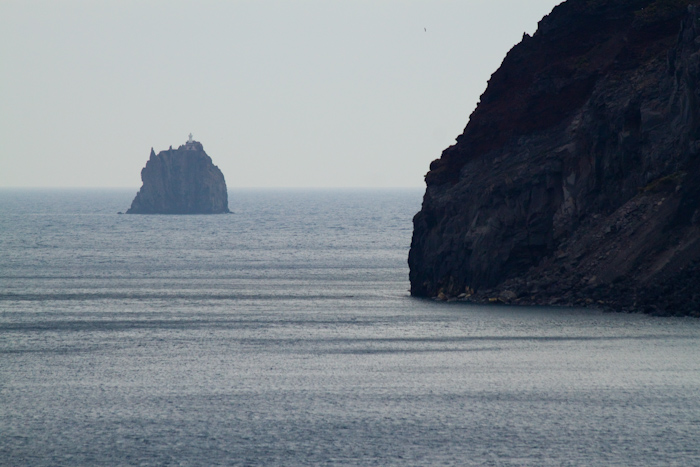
[308, 93]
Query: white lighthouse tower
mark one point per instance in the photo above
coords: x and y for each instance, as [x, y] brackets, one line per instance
[191, 144]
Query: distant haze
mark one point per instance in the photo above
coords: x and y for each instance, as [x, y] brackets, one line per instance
[309, 93]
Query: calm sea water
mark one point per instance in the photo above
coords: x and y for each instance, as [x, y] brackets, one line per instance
[284, 334]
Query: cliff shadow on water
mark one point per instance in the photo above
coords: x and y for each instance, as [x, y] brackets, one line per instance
[577, 179]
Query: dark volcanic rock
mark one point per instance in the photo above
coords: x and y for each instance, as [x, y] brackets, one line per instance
[577, 178]
[182, 181]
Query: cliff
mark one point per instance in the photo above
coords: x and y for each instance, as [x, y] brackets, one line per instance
[577, 179]
[181, 181]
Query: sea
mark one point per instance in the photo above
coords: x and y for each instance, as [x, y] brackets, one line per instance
[284, 334]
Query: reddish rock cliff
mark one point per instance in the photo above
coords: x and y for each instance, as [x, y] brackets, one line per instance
[577, 178]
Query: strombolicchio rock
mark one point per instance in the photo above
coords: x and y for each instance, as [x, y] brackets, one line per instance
[181, 181]
[577, 179]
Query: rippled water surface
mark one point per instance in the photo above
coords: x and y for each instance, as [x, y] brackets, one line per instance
[284, 334]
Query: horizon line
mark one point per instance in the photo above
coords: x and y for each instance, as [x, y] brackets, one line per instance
[348, 187]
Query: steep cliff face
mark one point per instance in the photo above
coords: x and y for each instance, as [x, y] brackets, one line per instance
[577, 178]
[181, 181]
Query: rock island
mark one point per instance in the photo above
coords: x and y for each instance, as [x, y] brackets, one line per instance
[181, 181]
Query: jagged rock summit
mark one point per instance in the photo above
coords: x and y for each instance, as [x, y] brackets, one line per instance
[577, 179]
[181, 181]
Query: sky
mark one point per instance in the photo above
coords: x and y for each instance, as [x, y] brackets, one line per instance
[305, 93]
